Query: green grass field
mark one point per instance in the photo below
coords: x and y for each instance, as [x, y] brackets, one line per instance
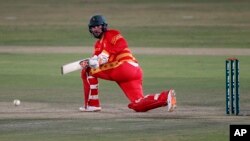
[49, 101]
[199, 85]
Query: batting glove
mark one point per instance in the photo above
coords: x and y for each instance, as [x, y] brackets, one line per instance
[93, 62]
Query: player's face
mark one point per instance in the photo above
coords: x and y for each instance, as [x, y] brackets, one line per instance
[96, 30]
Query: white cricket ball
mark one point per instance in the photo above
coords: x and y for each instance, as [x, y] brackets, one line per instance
[16, 102]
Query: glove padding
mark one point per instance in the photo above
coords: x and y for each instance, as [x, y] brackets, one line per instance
[93, 62]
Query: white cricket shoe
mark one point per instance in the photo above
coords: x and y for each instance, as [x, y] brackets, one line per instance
[90, 109]
[171, 100]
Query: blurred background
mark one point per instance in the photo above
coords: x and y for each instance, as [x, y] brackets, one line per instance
[158, 23]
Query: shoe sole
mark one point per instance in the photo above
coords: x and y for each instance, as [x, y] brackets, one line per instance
[89, 110]
[171, 98]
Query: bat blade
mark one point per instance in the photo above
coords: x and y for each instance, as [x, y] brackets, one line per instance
[71, 67]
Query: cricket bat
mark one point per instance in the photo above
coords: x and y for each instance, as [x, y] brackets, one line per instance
[71, 67]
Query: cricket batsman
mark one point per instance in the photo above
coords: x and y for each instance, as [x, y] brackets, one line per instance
[112, 60]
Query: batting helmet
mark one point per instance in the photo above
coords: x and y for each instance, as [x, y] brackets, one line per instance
[98, 20]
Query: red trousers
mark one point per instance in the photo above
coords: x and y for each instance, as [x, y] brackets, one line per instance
[129, 78]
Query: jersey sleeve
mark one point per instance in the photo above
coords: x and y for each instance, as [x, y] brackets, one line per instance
[117, 42]
[97, 48]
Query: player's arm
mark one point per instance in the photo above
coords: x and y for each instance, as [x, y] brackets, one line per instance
[118, 43]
